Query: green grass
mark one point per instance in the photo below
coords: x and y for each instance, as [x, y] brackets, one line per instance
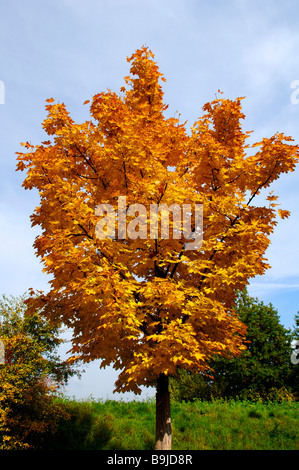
[218, 425]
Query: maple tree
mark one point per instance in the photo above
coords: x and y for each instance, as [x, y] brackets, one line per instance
[149, 306]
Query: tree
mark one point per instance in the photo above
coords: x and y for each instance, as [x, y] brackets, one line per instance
[263, 370]
[29, 377]
[145, 303]
[265, 366]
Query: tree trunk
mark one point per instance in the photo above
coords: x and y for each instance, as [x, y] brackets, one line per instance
[163, 419]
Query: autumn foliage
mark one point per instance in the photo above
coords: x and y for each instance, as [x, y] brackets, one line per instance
[148, 306]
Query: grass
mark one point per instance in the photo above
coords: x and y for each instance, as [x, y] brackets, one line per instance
[218, 425]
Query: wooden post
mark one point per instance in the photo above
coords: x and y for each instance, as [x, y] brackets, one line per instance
[163, 417]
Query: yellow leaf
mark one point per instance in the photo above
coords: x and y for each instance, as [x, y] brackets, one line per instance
[283, 214]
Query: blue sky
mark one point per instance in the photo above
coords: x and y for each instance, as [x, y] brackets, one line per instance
[72, 49]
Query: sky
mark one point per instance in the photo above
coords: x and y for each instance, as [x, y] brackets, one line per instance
[70, 50]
